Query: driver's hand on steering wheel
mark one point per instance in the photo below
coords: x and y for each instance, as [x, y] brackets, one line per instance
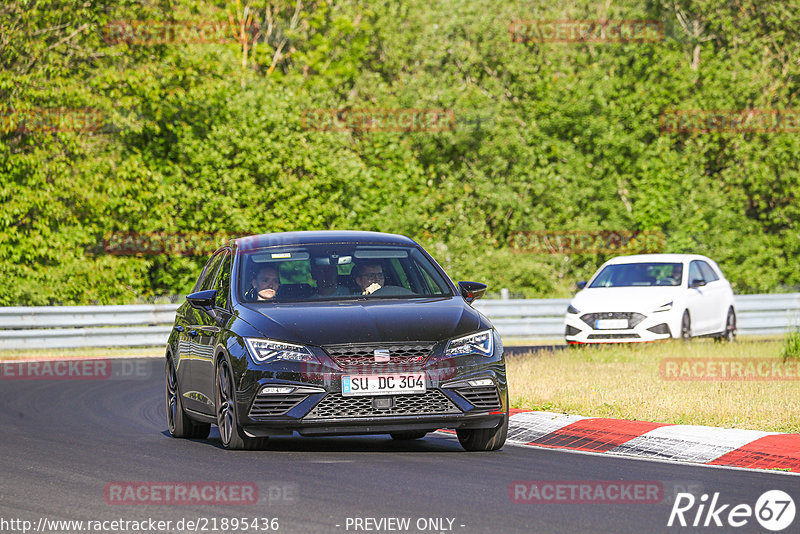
[372, 288]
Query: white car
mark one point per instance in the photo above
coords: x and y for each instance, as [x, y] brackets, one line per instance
[650, 297]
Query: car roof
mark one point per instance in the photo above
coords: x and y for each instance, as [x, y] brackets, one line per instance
[320, 237]
[659, 258]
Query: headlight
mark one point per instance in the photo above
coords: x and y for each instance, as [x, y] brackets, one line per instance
[264, 350]
[481, 343]
[664, 307]
[572, 309]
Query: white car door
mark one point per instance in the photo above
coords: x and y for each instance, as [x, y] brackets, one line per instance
[697, 301]
[715, 292]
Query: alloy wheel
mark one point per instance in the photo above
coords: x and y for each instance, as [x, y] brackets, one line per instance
[225, 407]
[686, 327]
[730, 326]
[172, 397]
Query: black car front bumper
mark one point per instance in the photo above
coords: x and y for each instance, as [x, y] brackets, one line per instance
[374, 425]
[317, 409]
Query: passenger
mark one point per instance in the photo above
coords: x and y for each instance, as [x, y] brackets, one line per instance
[265, 284]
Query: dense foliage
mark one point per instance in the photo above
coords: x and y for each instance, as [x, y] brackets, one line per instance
[214, 137]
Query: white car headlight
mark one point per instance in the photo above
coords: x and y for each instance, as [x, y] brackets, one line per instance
[664, 307]
[480, 343]
[264, 350]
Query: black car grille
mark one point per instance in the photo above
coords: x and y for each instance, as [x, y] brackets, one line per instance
[363, 355]
[614, 336]
[335, 406]
[271, 405]
[483, 397]
[632, 317]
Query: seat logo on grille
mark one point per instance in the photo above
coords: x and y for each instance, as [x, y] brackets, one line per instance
[381, 355]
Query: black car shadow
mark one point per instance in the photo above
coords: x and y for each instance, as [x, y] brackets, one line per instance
[379, 443]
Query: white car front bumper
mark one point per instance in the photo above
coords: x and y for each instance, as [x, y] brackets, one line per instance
[589, 327]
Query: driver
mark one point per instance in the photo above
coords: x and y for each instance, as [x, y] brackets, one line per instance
[265, 284]
[676, 274]
[369, 277]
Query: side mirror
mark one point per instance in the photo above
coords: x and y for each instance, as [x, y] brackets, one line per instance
[581, 284]
[472, 291]
[203, 300]
[697, 283]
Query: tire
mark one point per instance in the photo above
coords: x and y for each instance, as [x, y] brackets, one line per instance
[230, 432]
[408, 435]
[730, 327]
[484, 439]
[178, 423]
[686, 326]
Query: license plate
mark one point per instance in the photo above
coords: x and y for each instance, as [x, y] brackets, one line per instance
[355, 385]
[610, 324]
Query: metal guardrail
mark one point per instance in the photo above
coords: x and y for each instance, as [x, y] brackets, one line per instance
[544, 318]
[149, 324]
[53, 327]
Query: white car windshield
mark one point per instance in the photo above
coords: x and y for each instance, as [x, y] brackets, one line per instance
[639, 274]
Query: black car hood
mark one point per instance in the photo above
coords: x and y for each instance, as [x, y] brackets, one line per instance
[330, 323]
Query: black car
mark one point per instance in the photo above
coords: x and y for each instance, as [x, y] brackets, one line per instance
[333, 333]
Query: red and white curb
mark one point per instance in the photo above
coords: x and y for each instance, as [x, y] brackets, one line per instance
[750, 449]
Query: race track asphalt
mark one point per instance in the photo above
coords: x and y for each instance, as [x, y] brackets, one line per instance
[63, 441]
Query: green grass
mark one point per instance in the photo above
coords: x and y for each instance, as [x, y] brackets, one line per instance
[791, 345]
[624, 382]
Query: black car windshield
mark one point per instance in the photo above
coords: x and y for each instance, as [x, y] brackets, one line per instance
[639, 274]
[339, 271]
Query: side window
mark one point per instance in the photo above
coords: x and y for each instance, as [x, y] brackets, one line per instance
[206, 280]
[202, 276]
[433, 287]
[399, 273]
[429, 276]
[708, 273]
[223, 285]
[694, 272]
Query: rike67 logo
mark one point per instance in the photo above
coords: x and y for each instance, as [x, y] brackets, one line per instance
[774, 510]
